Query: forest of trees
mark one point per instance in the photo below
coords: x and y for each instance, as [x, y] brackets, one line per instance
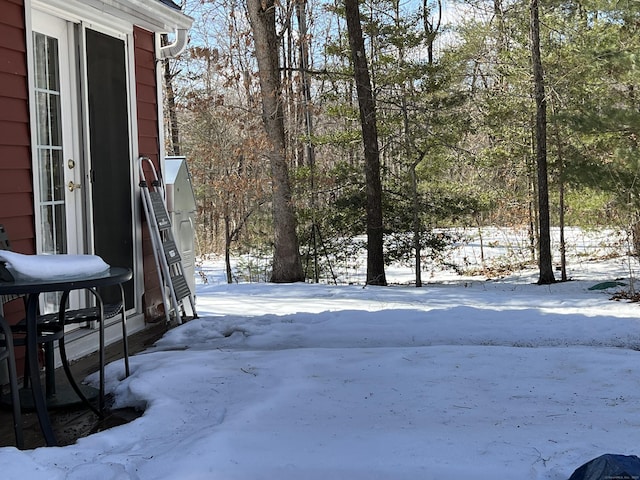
[520, 113]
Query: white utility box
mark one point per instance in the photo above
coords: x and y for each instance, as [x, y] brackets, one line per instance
[181, 206]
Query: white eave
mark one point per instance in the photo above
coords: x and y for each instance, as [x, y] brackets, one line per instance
[149, 14]
[152, 15]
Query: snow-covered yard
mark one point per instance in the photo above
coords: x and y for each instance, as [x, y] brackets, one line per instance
[460, 379]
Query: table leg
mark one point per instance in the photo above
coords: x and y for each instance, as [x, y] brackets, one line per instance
[39, 400]
[102, 357]
[125, 339]
[50, 370]
[65, 361]
[101, 354]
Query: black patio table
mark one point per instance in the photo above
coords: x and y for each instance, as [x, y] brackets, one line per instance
[33, 288]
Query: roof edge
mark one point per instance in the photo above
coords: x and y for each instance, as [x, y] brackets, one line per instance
[170, 4]
[161, 16]
[158, 16]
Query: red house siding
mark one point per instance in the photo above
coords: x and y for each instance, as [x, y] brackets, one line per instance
[16, 185]
[148, 146]
[16, 191]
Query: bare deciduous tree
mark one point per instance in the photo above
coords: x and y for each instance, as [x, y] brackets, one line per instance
[544, 258]
[287, 266]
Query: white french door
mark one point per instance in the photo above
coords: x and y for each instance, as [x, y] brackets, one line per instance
[57, 166]
[58, 172]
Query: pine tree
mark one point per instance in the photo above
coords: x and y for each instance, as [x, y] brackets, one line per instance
[375, 232]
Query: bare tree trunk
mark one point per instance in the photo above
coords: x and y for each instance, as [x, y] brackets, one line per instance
[544, 260]
[305, 82]
[563, 243]
[227, 247]
[561, 209]
[533, 206]
[375, 234]
[287, 266]
[417, 225]
[174, 132]
[431, 25]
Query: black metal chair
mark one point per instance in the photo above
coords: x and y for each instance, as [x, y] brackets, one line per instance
[51, 328]
[91, 314]
[48, 331]
[7, 353]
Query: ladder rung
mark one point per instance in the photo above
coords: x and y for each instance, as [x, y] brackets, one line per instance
[160, 211]
[181, 287]
[171, 252]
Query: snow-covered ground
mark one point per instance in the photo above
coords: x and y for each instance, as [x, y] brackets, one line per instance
[467, 378]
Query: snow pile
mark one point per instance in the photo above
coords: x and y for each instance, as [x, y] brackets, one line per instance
[483, 380]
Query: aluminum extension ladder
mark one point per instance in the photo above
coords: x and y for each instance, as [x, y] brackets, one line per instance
[165, 250]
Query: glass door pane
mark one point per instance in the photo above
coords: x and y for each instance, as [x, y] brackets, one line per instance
[49, 148]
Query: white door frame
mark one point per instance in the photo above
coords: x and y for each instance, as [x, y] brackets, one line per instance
[54, 19]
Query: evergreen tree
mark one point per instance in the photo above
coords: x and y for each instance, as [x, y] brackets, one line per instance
[375, 232]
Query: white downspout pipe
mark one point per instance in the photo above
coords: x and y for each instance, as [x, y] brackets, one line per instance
[177, 47]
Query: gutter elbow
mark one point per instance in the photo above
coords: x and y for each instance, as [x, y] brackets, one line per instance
[177, 47]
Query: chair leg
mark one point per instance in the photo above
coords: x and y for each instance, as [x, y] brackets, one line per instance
[25, 379]
[49, 368]
[15, 398]
[71, 380]
[13, 382]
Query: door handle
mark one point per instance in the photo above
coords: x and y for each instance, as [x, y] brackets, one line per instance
[73, 186]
